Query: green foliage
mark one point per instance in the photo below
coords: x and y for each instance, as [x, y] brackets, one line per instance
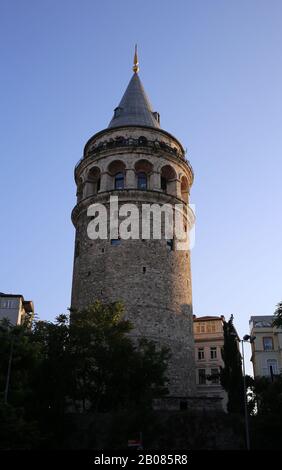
[266, 421]
[278, 316]
[15, 431]
[86, 361]
[51, 380]
[18, 430]
[25, 358]
[109, 370]
[268, 395]
[231, 376]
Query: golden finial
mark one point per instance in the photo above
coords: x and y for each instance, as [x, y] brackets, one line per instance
[136, 63]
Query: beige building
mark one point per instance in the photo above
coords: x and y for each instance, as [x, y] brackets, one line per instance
[15, 308]
[267, 347]
[209, 339]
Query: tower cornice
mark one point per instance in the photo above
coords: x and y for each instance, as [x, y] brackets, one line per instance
[125, 196]
[120, 128]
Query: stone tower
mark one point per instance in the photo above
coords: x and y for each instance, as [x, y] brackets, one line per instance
[136, 160]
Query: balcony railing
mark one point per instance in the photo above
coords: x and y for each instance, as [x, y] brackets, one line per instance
[121, 142]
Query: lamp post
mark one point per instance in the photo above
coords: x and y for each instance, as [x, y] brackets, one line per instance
[249, 339]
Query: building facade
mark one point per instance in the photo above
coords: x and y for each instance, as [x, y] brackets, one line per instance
[137, 161]
[14, 308]
[267, 346]
[209, 340]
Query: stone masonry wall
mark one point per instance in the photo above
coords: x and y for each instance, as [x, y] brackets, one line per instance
[152, 281]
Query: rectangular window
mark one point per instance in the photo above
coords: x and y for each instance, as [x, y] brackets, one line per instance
[213, 352]
[142, 181]
[214, 376]
[8, 304]
[115, 241]
[202, 376]
[211, 327]
[268, 343]
[119, 181]
[201, 327]
[201, 353]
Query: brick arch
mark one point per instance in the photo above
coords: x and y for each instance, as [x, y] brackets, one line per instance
[143, 171]
[92, 181]
[168, 171]
[94, 172]
[168, 179]
[184, 184]
[116, 166]
[116, 175]
[144, 165]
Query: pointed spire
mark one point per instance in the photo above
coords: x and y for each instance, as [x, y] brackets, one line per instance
[135, 67]
[135, 107]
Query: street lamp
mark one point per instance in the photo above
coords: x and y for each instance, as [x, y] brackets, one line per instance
[246, 339]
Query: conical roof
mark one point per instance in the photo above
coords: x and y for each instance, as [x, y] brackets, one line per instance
[135, 107]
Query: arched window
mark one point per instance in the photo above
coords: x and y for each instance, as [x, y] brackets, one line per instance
[93, 181]
[141, 180]
[168, 179]
[119, 181]
[116, 170]
[143, 169]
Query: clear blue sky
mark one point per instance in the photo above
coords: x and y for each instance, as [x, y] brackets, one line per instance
[212, 68]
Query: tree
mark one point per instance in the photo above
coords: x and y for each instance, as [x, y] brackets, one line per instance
[16, 345]
[278, 315]
[87, 360]
[267, 395]
[231, 376]
[18, 362]
[110, 371]
[17, 432]
[52, 379]
[266, 420]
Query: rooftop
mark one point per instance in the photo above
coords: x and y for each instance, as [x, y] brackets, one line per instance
[207, 318]
[135, 107]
